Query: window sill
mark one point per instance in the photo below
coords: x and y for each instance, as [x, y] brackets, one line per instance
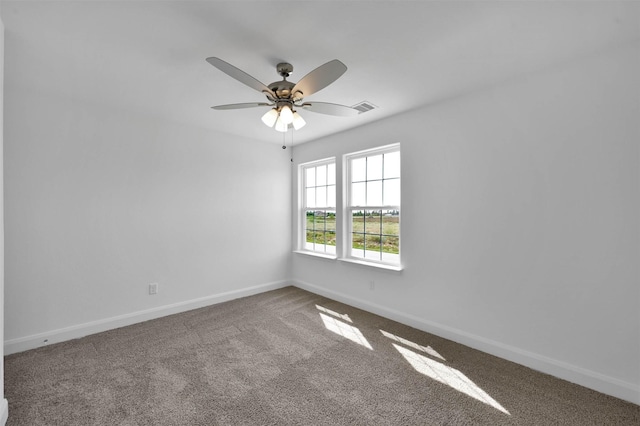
[387, 267]
[314, 254]
[395, 268]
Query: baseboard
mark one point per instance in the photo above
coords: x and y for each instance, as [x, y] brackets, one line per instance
[4, 412]
[587, 378]
[81, 330]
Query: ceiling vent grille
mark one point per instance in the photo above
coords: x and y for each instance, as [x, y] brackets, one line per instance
[364, 106]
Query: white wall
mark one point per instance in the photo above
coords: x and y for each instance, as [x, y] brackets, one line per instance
[100, 203]
[520, 231]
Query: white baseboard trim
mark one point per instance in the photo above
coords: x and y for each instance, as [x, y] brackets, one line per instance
[587, 378]
[76, 331]
[4, 412]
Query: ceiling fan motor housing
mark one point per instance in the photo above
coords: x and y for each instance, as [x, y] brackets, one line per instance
[282, 89]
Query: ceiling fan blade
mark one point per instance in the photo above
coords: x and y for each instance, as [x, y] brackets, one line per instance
[319, 78]
[242, 106]
[239, 75]
[330, 109]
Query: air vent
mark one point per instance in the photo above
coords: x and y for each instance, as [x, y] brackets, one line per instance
[364, 106]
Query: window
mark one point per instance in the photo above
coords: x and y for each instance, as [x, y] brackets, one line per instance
[359, 221]
[319, 207]
[373, 205]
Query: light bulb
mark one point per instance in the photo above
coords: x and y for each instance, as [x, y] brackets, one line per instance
[286, 115]
[270, 117]
[281, 126]
[298, 121]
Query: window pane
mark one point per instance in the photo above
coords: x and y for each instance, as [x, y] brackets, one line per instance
[311, 197]
[331, 238]
[357, 221]
[374, 167]
[331, 174]
[319, 220]
[372, 255]
[373, 222]
[390, 257]
[391, 245]
[321, 175]
[374, 193]
[358, 170]
[359, 253]
[390, 223]
[321, 196]
[358, 194]
[357, 244]
[392, 192]
[331, 196]
[319, 231]
[372, 242]
[331, 249]
[392, 165]
[310, 178]
[331, 221]
[319, 239]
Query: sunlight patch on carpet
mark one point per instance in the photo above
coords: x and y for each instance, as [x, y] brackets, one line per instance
[345, 330]
[334, 313]
[426, 349]
[449, 376]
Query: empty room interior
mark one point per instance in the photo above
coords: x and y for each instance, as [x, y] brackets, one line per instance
[284, 212]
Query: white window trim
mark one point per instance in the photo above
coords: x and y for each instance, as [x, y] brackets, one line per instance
[347, 210]
[301, 241]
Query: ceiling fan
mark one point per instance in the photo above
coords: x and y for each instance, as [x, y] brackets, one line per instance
[284, 96]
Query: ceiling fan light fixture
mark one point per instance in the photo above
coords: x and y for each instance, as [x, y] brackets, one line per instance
[269, 119]
[286, 115]
[298, 121]
[281, 126]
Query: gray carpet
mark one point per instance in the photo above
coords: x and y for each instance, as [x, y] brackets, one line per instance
[287, 357]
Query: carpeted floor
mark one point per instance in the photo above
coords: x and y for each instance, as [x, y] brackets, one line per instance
[287, 357]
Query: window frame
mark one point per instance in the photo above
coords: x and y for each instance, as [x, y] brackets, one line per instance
[304, 208]
[348, 209]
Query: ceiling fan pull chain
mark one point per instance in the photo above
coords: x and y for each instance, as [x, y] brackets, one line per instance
[284, 140]
[291, 146]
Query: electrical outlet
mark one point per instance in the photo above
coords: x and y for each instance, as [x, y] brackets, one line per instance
[153, 288]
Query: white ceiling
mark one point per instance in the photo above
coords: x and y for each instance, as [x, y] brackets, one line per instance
[149, 56]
